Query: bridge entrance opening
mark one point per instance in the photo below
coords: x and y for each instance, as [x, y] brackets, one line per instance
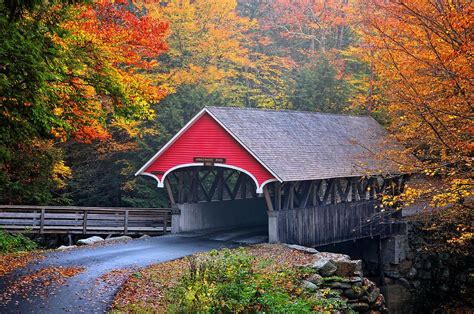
[210, 197]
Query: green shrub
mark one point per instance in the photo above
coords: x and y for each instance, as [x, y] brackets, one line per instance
[226, 282]
[15, 243]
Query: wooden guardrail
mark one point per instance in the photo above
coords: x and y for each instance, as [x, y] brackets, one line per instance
[84, 220]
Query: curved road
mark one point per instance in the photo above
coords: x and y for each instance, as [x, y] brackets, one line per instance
[87, 293]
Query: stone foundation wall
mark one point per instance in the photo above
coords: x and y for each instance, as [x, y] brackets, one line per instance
[420, 280]
[339, 276]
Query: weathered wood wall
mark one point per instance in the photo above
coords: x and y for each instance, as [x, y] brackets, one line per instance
[332, 223]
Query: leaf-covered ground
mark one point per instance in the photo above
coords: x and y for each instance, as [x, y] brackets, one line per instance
[40, 283]
[145, 289]
[11, 262]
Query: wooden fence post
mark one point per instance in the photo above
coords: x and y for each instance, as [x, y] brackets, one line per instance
[42, 220]
[125, 223]
[84, 222]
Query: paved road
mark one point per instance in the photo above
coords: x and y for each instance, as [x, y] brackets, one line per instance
[83, 294]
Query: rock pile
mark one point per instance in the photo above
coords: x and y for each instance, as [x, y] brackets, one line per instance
[345, 278]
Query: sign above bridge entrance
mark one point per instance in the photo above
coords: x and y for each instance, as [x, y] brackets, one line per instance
[209, 161]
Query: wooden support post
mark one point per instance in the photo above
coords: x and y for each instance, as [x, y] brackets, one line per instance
[237, 185]
[316, 200]
[344, 194]
[226, 186]
[277, 195]
[165, 223]
[338, 189]
[362, 189]
[333, 191]
[371, 184]
[84, 222]
[291, 196]
[353, 189]
[42, 220]
[170, 191]
[243, 187]
[306, 194]
[125, 222]
[268, 198]
[328, 191]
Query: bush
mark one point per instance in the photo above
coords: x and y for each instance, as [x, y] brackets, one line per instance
[10, 243]
[227, 282]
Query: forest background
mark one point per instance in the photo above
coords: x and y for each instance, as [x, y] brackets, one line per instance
[90, 90]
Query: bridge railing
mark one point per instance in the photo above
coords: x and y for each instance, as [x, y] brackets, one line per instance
[84, 220]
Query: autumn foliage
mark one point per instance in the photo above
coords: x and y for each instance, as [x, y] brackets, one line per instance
[118, 46]
[69, 72]
[421, 53]
[83, 88]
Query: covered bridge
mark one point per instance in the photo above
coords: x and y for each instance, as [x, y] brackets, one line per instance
[312, 178]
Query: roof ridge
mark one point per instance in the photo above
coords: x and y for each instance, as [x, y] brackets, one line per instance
[290, 110]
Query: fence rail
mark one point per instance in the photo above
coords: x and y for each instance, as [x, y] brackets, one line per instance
[84, 220]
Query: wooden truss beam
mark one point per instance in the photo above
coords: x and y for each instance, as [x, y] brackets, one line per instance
[303, 194]
[207, 184]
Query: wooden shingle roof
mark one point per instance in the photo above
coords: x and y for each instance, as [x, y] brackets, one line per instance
[298, 145]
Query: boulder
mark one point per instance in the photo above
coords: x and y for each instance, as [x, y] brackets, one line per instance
[302, 248]
[393, 274]
[332, 256]
[89, 241]
[339, 285]
[309, 285]
[374, 295]
[66, 247]
[355, 279]
[315, 278]
[119, 239]
[354, 293]
[325, 267]
[380, 300]
[360, 306]
[145, 236]
[347, 268]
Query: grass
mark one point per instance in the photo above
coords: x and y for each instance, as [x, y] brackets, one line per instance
[261, 278]
[11, 243]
